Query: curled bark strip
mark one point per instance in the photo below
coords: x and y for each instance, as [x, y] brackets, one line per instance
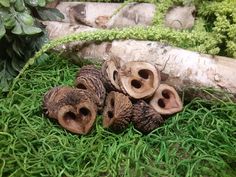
[59, 29]
[110, 69]
[117, 112]
[93, 85]
[74, 109]
[133, 14]
[139, 79]
[166, 100]
[112, 15]
[145, 118]
[102, 21]
[87, 13]
[180, 17]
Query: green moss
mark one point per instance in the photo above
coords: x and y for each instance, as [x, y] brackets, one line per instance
[199, 141]
[220, 16]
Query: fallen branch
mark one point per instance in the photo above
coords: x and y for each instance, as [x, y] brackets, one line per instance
[181, 68]
[117, 15]
[86, 13]
[59, 29]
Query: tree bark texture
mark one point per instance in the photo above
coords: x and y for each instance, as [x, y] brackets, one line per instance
[115, 15]
[107, 15]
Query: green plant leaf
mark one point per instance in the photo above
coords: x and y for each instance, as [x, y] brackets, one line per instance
[4, 11]
[18, 41]
[20, 5]
[2, 29]
[26, 18]
[17, 29]
[41, 3]
[50, 14]
[9, 21]
[31, 29]
[39, 41]
[5, 3]
[33, 3]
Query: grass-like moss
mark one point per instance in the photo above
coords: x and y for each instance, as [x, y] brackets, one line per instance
[200, 141]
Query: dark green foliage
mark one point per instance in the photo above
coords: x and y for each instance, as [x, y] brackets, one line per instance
[200, 141]
[21, 34]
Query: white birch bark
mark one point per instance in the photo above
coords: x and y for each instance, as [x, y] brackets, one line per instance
[181, 68]
[114, 15]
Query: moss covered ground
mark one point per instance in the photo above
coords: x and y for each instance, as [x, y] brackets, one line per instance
[199, 141]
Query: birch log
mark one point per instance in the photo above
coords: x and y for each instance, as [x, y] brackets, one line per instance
[86, 13]
[181, 68]
[114, 15]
